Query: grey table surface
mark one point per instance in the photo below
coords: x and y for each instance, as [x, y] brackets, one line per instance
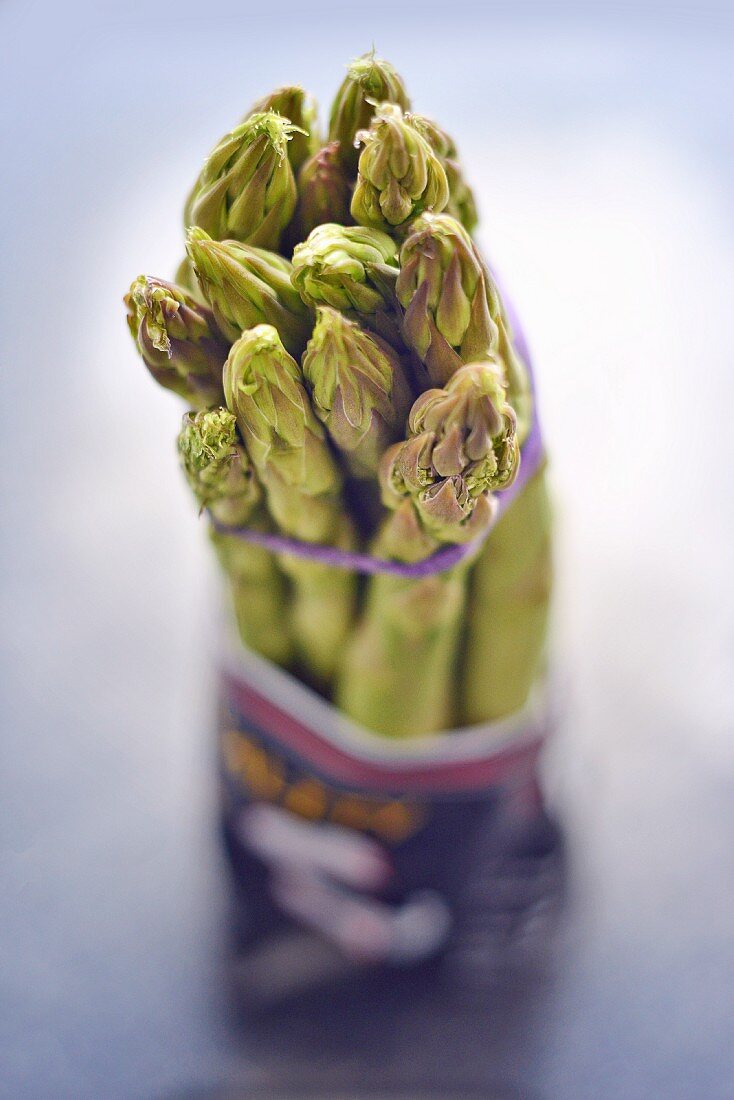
[601, 146]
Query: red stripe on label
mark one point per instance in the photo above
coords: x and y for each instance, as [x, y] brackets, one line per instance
[338, 765]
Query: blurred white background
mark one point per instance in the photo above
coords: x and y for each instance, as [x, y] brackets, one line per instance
[600, 141]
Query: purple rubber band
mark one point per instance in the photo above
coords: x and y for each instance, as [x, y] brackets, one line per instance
[531, 457]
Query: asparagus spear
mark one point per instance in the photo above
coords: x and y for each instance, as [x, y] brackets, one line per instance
[370, 80]
[264, 388]
[248, 286]
[359, 389]
[299, 108]
[400, 176]
[399, 668]
[510, 595]
[246, 190]
[178, 340]
[221, 477]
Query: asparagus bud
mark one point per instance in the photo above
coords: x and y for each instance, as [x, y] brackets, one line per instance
[471, 426]
[323, 191]
[400, 176]
[217, 467]
[264, 388]
[461, 204]
[359, 389]
[296, 105]
[248, 286]
[177, 339]
[246, 190]
[443, 290]
[348, 268]
[369, 81]
[462, 445]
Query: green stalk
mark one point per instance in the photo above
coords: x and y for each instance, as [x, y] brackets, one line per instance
[509, 607]
[398, 671]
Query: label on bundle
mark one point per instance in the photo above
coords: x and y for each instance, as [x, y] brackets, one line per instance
[388, 849]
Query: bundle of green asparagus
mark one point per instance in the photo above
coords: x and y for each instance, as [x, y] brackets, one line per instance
[354, 389]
